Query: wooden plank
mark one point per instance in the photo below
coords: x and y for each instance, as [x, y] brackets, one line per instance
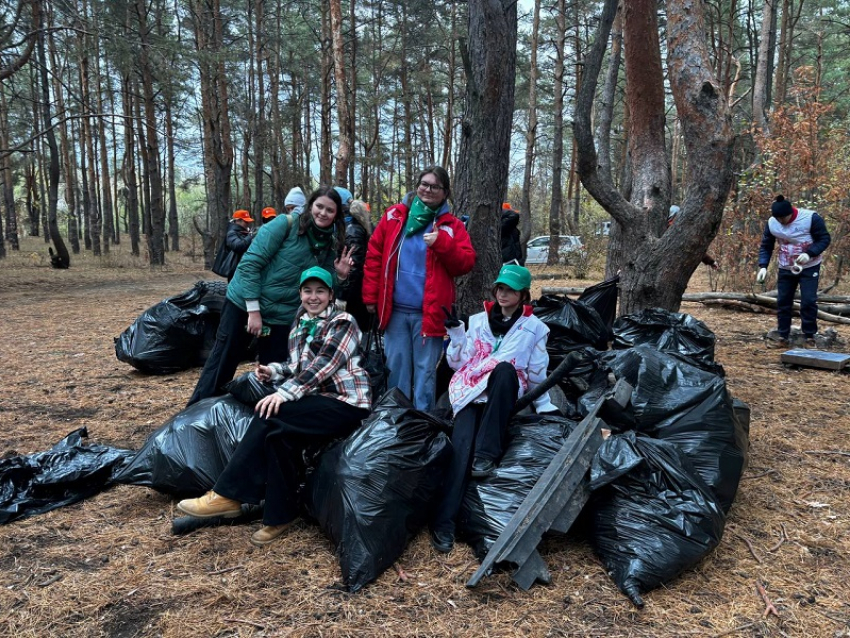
[554, 502]
[816, 359]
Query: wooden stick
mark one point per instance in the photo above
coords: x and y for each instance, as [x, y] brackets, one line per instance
[225, 570]
[768, 606]
[749, 545]
[51, 580]
[735, 630]
[245, 622]
[835, 452]
[760, 474]
[782, 538]
[402, 576]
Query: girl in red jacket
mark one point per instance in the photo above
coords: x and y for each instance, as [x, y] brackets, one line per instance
[416, 251]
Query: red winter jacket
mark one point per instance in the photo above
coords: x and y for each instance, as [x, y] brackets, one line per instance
[451, 255]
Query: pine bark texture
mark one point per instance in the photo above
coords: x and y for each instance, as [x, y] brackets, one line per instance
[482, 174]
[657, 262]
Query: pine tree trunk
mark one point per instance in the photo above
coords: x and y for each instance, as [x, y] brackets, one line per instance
[156, 234]
[108, 214]
[531, 131]
[482, 173]
[129, 167]
[325, 155]
[557, 195]
[61, 257]
[218, 148]
[68, 158]
[6, 179]
[173, 220]
[765, 55]
[344, 150]
[657, 265]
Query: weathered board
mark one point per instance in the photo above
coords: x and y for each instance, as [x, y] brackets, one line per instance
[555, 501]
[815, 359]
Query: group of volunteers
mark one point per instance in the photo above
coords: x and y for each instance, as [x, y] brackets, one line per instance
[399, 279]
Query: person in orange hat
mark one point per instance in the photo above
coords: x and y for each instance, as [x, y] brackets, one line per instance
[236, 243]
[268, 214]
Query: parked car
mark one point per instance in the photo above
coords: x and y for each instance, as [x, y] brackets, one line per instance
[538, 249]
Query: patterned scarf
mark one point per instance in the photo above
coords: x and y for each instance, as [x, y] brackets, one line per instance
[418, 217]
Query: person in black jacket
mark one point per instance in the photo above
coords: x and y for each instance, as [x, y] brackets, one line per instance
[236, 243]
[511, 247]
[358, 227]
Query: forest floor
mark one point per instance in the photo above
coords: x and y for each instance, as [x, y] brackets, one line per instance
[109, 566]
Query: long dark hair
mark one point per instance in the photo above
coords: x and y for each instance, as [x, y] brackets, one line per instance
[306, 217]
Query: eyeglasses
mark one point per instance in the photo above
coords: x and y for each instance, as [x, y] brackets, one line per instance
[425, 186]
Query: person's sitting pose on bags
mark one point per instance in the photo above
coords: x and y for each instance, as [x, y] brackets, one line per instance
[324, 396]
[501, 356]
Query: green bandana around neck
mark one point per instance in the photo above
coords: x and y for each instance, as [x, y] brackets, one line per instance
[310, 326]
[418, 217]
[320, 238]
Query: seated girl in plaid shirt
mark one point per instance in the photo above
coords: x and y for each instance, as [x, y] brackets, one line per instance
[324, 395]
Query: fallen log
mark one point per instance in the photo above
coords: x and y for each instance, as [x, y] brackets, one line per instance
[739, 305]
[744, 297]
[699, 296]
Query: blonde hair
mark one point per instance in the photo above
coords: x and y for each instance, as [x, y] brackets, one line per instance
[360, 212]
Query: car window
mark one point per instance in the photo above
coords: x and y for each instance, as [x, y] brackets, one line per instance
[540, 241]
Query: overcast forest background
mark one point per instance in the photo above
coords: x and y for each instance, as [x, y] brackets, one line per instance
[149, 122]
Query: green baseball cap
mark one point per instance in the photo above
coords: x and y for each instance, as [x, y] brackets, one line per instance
[317, 273]
[515, 277]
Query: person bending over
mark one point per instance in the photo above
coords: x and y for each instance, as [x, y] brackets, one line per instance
[802, 238]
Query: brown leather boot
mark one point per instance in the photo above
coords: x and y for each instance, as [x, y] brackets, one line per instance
[209, 505]
[269, 533]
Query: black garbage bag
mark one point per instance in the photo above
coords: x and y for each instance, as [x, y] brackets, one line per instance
[373, 492]
[175, 334]
[572, 325]
[602, 297]
[248, 389]
[69, 472]
[652, 516]
[676, 400]
[670, 332]
[490, 503]
[186, 455]
[374, 360]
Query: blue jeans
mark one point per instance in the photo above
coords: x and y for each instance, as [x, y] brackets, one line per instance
[412, 358]
[786, 287]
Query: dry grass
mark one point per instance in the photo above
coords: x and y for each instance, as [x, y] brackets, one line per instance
[110, 567]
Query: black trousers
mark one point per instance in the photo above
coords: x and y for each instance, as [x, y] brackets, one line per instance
[231, 343]
[265, 463]
[480, 431]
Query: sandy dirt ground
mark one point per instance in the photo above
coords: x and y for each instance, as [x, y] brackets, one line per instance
[109, 566]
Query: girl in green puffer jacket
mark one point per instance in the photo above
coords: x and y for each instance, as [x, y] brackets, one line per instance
[263, 296]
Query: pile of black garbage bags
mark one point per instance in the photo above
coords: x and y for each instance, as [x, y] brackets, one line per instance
[175, 334]
[662, 482]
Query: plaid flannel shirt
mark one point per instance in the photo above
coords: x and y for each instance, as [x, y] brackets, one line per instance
[326, 365]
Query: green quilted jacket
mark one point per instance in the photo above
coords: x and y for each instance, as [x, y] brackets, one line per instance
[270, 270]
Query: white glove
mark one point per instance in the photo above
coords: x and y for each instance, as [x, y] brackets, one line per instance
[761, 276]
[802, 259]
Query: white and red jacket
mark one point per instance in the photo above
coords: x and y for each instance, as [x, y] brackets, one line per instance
[475, 352]
[451, 255]
[805, 233]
